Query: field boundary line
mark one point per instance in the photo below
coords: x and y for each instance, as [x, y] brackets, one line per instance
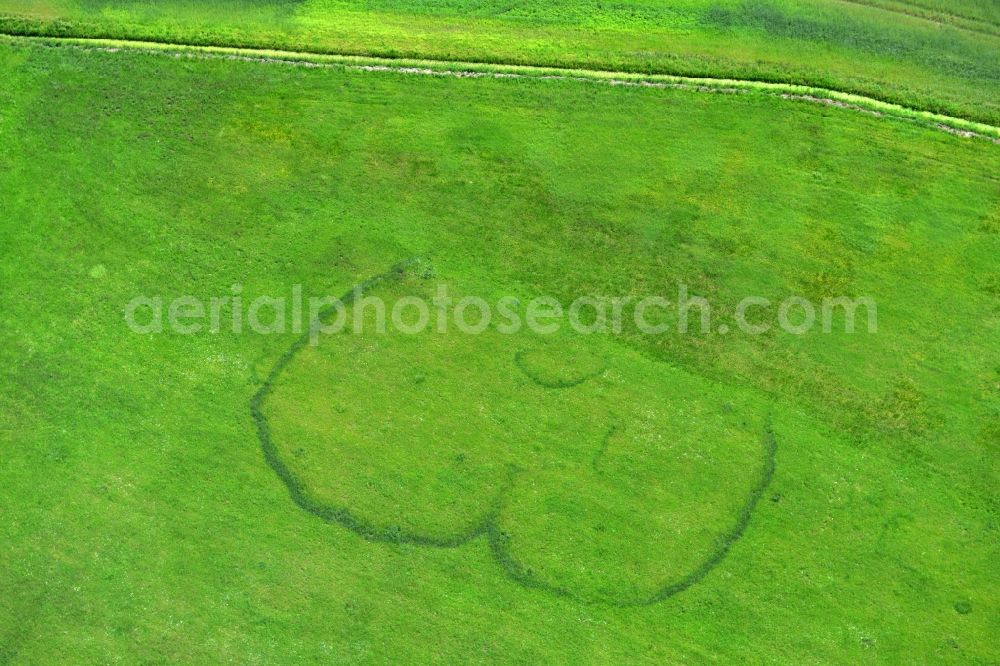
[467, 69]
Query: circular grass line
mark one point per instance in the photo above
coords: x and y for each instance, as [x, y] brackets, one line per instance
[499, 542]
[339, 515]
[488, 525]
[552, 384]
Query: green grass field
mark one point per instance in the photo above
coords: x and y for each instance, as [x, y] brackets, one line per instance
[494, 498]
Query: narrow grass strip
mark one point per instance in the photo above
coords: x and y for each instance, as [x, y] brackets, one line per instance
[465, 69]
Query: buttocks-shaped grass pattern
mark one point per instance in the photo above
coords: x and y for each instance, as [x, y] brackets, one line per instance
[592, 471]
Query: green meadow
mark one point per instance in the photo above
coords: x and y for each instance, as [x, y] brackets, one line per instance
[328, 496]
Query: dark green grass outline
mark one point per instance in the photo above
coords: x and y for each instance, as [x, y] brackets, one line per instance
[339, 515]
[556, 384]
[596, 460]
[488, 525]
[517, 571]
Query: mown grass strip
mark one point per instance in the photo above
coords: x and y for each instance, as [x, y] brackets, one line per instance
[466, 69]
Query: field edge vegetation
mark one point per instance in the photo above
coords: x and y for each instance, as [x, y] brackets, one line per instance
[860, 49]
[845, 100]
